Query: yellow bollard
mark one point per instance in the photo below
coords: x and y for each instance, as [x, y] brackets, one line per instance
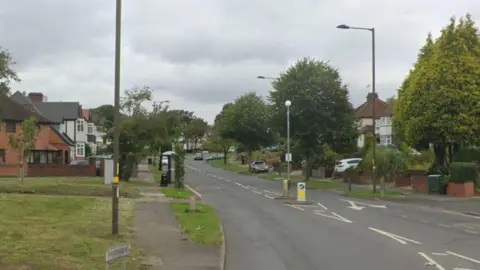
[285, 188]
[301, 196]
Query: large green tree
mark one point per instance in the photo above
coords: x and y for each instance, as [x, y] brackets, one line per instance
[440, 99]
[246, 121]
[320, 113]
[7, 73]
[194, 131]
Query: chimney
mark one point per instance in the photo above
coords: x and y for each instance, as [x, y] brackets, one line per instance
[36, 97]
[371, 95]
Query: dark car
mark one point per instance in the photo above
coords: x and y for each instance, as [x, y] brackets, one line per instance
[198, 156]
[258, 166]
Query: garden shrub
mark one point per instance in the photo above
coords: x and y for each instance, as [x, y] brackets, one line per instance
[463, 172]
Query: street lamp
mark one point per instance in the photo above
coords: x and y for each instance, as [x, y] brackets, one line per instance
[372, 30]
[116, 120]
[288, 158]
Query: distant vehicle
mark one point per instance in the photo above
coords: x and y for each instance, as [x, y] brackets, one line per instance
[79, 163]
[198, 156]
[258, 166]
[218, 157]
[345, 164]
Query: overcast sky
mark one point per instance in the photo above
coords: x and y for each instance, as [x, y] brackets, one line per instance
[200, 54]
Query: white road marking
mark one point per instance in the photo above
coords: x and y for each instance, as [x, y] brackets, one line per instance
[257, 192]
[398, 238]
[268, 196]
[463, 257]
[353, 206]
[366, 204]
[246, 187]
[228, 180]
[470, 231]
[295, 206]
[440, 254]
[220, 178]
[431, 262]
[444, 225]
[423, 221]
[322, 206]
[458, 268]
[459, 214]
[271, 192]
[333, 216]
[238, 184]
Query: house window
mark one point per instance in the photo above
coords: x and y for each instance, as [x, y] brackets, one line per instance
[388, 120]
[2, 156]
[80, 149]
[93, 148]
[90, 129]
[80, 125]
[11, 127]
[44, 157]
[388, 139]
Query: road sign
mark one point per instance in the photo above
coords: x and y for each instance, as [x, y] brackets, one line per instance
[288, 157]
[301, 192]
[116, 252]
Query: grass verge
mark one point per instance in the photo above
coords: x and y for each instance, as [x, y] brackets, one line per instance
[176, 193]
[69, 186]
[203, 226]
[229, 166]
[57, 233]
[366, 193]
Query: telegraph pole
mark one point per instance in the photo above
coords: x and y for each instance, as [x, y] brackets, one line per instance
[116, 124]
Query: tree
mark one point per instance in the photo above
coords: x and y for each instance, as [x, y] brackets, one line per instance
[7, 73]
[439, 102]
[320, 112]
[247, 122]
[179, 159]
[390, 162]
[195, 130]
[24, 141]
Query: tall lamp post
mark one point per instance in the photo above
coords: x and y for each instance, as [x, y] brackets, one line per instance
[116, 121]
[288, 103]
[374, 146]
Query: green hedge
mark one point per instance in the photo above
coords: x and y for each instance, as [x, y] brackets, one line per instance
[463, 172]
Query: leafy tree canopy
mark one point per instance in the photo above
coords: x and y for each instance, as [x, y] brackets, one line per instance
[7, 73]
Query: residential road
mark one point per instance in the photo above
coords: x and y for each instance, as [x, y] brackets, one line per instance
[334, 232]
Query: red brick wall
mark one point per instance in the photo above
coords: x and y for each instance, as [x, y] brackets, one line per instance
[420, 183]
[45, 170]
[9, 170]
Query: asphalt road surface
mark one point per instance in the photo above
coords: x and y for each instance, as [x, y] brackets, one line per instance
[333, 232]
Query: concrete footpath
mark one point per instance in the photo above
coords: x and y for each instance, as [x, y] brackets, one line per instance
[158, 234]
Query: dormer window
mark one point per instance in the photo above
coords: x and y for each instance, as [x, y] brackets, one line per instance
[80, 125]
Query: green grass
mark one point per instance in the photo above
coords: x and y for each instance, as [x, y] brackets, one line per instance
[366, 193]
[57, 233]
[202, 227]
[229, 166]
[323, 184]
[72, 186]
[176, 193]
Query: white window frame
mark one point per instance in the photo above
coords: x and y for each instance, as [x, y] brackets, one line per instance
[90, 126]
[80, 149]
[388, 139]
[80, 125]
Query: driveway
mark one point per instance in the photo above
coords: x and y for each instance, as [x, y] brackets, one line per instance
[333, 232]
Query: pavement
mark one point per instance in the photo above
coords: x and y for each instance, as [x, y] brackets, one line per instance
[158, 234]
[334, 232]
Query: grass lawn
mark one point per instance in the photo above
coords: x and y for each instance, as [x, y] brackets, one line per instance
[58, 233]
[80, 186]
[229, 166]
[202, 227]
[323, 184]
[366, 193]
[176, 193]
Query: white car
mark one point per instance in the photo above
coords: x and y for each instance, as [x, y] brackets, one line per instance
[344, 164]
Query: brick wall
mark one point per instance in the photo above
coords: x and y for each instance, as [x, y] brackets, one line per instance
[45, 170]
[9, 170]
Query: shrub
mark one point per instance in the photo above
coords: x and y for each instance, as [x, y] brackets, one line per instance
[389, 162]
[463, 172]
[467, 155]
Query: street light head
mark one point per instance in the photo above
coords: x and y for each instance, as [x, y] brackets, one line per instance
[288, 103]
[261, 77]
[343, 26]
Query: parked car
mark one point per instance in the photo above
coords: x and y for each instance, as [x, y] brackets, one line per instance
[79, 163]
[198, 156]
[258, 166]
[345, 164]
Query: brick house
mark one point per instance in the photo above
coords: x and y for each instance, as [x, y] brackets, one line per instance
[364, 114]
[51, 146]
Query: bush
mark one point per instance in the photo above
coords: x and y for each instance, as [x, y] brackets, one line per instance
[467, 155]
[389, 162]
[463, 172]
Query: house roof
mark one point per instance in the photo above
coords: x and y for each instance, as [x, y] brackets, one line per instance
[55, 111]
[366, 109]
[64, 137]
[388, 109]
[13, 111]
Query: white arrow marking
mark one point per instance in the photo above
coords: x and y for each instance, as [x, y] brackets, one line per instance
[322, 206]
[354, 206]
[431, 262]
[333, 216]
[463, 257]
[367, 204]
[398, 238]
[294, 206]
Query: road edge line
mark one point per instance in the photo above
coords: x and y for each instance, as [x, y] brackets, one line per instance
[196, 193]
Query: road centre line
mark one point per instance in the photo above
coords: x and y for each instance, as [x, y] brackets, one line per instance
[295, 206]
[463, 257]
[268, 196]
[398, 238]
[257, 192]
[431, 262]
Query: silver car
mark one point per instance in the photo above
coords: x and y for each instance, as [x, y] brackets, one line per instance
[258, 166]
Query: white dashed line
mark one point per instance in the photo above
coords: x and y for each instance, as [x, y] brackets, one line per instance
[444, 225]
[430, 261]
[322, 206]
[268, 196]
[470, 231]
[295, 206]
[257, 192]
[440, 254]
[463, 257]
